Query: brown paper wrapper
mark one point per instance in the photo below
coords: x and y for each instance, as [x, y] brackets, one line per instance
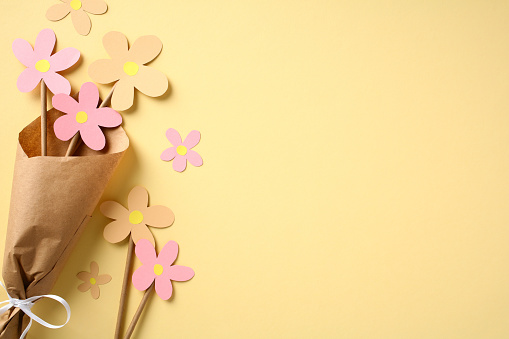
[52, 200]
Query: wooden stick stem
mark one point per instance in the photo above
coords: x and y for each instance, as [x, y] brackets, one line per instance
[76, 140]
[44, 119]
[123, 293]
[137, 315]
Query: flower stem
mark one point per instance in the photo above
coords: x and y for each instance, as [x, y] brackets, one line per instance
[123, 293]
[76, 140]
[44, 119]
[137, 315]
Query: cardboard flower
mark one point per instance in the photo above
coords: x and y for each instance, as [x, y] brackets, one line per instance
[85, 117]
[78, 10]
[159, 268]
[181, 151]
[136, 218]
[92, 280]
[41, 65]
[127, 66]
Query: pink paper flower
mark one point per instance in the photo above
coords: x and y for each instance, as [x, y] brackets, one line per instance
[42, 65]
[84, 117]
[181, 151]
[159, 268]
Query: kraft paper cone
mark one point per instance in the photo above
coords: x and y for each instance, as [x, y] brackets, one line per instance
[52, 200]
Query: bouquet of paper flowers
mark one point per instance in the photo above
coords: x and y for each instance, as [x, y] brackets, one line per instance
[64, 161]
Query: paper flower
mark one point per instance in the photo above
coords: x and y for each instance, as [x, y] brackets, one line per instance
[135, 220]
[159, 268]
[92, 280]
[42, 65]
[181, 151]
[127, 66]
[85, 117]
[78, 10]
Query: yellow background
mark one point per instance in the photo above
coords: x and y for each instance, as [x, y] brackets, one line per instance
[356, 167]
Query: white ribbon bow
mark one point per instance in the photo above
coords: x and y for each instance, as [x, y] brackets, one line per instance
[26, 305]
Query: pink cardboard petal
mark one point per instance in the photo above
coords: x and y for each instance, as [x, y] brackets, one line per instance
[93, 136]
[168, 254]
[173, 137]
[28, 80]
[57, 83]
[44, 44]
[169, 153]
[65, 103]
[89, 96]
[143, 277]
[65, 127]
[194, 158]
[180, 163]
[145, 252]
[24, 52]
[164, 289]
[108, 117]
[181, 273]
[64, 59]
[192, 139]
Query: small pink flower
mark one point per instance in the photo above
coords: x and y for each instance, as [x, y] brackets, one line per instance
[181, 151]
[42, 65]
[159, 268]
[84, 117]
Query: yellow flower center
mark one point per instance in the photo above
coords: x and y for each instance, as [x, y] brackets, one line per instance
[136, 217]
[158, 269]
[81, 117]
[93, 281]
[131, 68]
[182, 150]
[75, 4]
[42, 66]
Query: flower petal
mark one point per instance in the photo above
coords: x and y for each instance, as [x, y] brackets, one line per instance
[192, 139]
[169, 153]
[158, 216]
[145, 49]
[81, 21]
[163, 288]
[140, 232]
[113, 210]
[94, 269]
[150, 81]
[108, 117]
[65, 127]
[89, 96]
[123, 95]
[84, 286]
[194, 158]
[65, 103]
[64, 59]
[24, 52]
[58, 12]
[94, 6]
[44, 44]
[168, 254]
[93, 137]
[181, 273]
[116, 231]
[103, 279]
[173, 137]
[115, 44]
[105, 71]
[145, 252]
[179, 163]
[137, 199]
[28, 80]
[143, 277]
[85, 276]
[95, 291]
[57, 83]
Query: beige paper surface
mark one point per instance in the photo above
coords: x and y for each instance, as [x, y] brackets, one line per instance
[52, 200]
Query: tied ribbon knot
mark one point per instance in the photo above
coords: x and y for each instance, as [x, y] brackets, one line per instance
[26, 306]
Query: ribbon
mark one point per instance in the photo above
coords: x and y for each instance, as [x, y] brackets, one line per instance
[26, 305]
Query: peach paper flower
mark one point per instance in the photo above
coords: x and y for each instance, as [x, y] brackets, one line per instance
[127, 66]
[92, 280]
[181, 151]
[85, 117]
[41, 65]
[78, 10]
[159, 268]
[135, 220]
